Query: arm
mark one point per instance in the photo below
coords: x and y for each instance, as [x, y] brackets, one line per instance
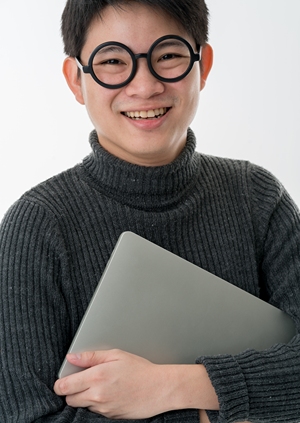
[122, 385]
[36, 321]
[265, 386]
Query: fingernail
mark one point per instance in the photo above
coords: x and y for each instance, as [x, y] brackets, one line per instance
[74, 356]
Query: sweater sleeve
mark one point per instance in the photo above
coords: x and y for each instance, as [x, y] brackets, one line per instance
[36, 320]
[264, 385]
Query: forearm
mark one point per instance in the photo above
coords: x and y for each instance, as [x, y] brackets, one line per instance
[188, 386]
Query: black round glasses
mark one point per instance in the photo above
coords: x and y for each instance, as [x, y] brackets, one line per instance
[113, 65]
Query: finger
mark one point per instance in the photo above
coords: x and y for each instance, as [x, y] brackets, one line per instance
[80, 381]
[79, 400]
[92, 358]
[73, 389]
[73, 384]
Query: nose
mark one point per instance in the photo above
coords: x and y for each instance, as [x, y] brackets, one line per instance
[144, 84]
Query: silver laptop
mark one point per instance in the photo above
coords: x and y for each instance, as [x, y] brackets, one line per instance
[155, 304]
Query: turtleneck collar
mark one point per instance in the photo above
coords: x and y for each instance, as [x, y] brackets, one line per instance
[141, 186]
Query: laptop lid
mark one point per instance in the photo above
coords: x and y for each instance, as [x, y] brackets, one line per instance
[155, 304]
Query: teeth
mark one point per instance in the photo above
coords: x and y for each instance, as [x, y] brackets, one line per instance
[151, 113]
[145, 114]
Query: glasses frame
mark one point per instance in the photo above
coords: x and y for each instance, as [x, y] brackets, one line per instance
[195, 57]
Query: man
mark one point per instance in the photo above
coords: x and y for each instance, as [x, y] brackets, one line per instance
[229, 217]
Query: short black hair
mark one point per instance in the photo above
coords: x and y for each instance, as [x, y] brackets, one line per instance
[78, 15]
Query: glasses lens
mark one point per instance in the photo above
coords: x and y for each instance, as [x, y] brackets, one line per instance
[171, 58]
[112, 64]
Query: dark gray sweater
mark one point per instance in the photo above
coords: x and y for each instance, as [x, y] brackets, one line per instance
[230, 217]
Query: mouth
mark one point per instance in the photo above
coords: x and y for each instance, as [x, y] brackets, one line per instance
[147, 114]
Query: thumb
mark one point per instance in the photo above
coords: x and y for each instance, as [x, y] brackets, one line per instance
[89, 358]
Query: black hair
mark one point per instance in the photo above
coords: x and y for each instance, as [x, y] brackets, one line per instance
[78, 15]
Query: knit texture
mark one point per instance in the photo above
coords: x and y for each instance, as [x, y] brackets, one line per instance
[230, 217]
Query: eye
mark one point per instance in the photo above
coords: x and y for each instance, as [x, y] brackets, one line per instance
[111, 55]
[112, 62]
[106, 61]
[169, 56]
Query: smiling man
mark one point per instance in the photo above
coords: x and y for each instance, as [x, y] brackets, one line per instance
[146, 120]
[139, 68]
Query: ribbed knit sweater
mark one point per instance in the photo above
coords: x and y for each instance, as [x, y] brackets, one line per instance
[230, 217]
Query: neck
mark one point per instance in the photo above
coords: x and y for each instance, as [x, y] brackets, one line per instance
[144, 187]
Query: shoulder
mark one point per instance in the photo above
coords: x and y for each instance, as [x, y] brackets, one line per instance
[250, 184]
[225, 176]
[52, 195]
[44, 207]
[240, 172]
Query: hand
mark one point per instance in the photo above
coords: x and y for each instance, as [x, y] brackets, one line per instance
[117, 385]
[120, 385]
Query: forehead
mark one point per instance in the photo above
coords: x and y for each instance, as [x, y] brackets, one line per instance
[135, 25]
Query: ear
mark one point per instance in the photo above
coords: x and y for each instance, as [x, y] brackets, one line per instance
[207, 58]
[70, 71]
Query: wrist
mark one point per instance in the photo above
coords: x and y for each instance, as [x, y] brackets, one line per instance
[188, 386]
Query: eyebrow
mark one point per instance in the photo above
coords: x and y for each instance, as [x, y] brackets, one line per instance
[111, 49]
[164, 44]
[170, 43]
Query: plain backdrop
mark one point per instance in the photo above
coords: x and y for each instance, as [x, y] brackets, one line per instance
[248, 110]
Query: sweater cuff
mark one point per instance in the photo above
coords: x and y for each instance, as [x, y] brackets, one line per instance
[229, 383]
[179, 416]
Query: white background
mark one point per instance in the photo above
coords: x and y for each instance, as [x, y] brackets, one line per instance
[249, 109]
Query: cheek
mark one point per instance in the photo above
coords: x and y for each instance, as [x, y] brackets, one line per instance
[191, 96]
[98, 101]
[190, 87]
[194, 90]
[189, 100]
[195, 100]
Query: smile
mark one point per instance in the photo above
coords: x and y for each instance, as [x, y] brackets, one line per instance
[147, 114]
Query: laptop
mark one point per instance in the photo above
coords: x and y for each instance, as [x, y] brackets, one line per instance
[157, 305]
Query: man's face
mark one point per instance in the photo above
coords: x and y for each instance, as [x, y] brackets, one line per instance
[151, 141]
